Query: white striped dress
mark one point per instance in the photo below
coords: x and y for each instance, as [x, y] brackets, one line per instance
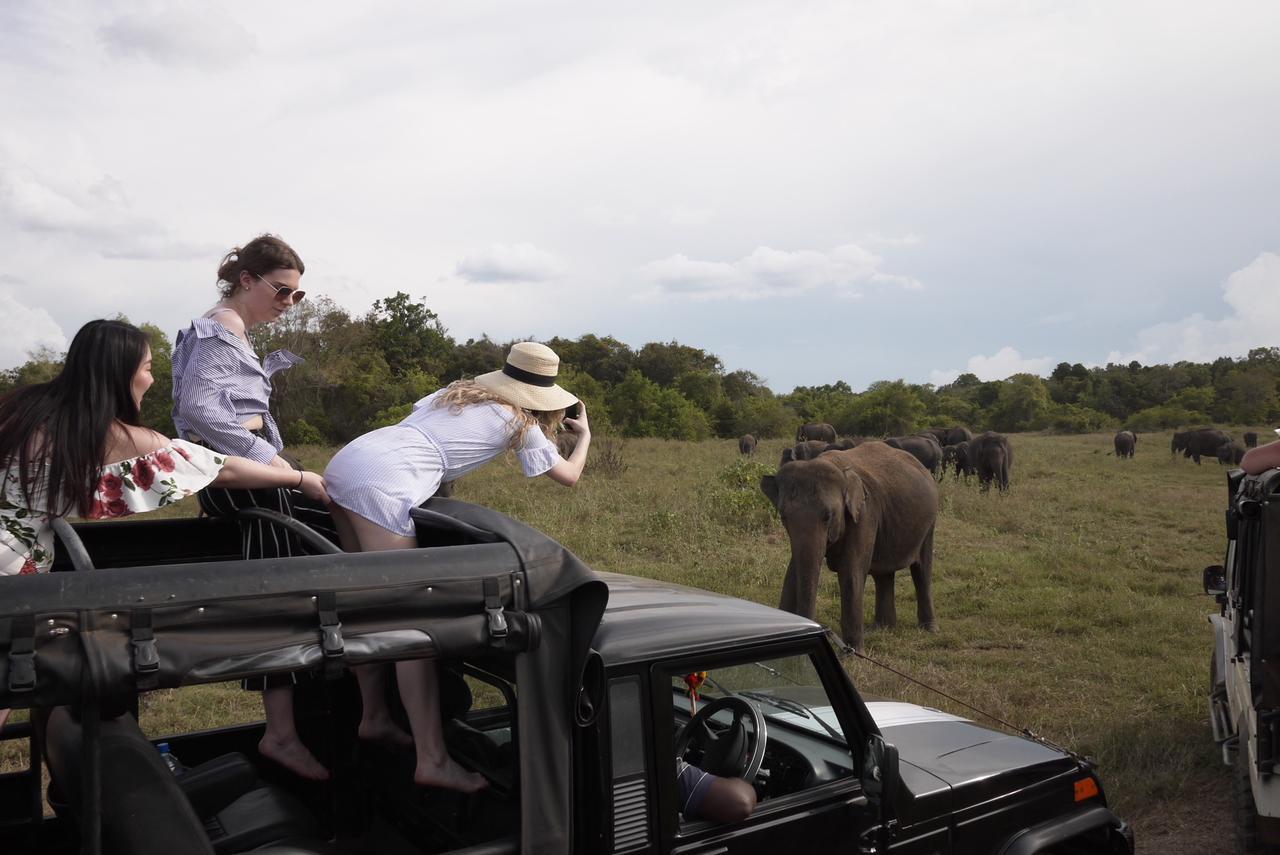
[384, 474]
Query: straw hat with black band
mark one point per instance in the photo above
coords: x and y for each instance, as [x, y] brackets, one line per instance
[528, 379]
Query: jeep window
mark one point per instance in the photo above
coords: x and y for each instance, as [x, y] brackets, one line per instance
[806, 746]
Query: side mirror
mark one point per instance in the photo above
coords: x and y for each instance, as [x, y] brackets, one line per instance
[880, 770]
[1215, 580]
[590, 699]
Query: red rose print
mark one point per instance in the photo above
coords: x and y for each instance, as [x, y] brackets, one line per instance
[97, 510]
[29, 568]
[144, 473]
[164, 460]
[116, 508]
[185, 455]
[111, 486]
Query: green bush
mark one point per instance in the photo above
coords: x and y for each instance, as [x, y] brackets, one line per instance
[1074, 418]
[302, 432]
[736, 500]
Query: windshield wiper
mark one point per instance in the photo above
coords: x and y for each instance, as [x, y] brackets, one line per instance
[794, 707]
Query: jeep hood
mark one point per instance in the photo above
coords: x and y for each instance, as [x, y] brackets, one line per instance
[948, 763]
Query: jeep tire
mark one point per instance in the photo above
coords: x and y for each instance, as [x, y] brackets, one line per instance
[1246, 813]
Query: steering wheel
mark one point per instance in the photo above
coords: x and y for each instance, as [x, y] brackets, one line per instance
[733, 753]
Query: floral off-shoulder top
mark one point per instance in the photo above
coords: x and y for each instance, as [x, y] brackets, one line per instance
[132, 486]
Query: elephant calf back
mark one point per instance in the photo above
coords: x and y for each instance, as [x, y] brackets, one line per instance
[991, 457]
[1125, 443]
[746, 444]
[816, 431]
[923, 447]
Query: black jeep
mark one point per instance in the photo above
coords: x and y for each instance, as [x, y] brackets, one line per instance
[571, 691]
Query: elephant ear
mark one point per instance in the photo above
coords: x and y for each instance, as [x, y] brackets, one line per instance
[855, 496]
[769, 484]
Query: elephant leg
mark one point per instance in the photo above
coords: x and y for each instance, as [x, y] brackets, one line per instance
[886, 612]
[852, 586]
[922, 576]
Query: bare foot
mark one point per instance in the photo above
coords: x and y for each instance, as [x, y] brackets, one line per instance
[448, 775]
[384, 733]
[295, 757]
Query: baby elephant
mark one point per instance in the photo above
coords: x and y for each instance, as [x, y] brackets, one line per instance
[870, 510]
[1126, 441]
[1231, 452]
[746, 444]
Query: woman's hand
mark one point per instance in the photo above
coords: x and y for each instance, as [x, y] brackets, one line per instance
[280, 463]
[312, 487]
[580, 425]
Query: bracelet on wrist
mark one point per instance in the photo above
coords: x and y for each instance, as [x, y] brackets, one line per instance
[299, 487]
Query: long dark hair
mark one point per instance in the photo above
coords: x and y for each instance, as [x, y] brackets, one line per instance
[55, 433]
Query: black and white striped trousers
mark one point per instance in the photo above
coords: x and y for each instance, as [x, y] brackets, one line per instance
[259, 538]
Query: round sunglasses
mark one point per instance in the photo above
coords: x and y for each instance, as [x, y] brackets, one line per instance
[284, 293]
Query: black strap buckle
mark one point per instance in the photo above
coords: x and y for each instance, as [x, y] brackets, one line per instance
[331, 640]
[22, 654]
[22, 671]
[331, 643]
[493, 608]
[146, 657]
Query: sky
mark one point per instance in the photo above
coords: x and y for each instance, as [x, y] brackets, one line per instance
[812, 191]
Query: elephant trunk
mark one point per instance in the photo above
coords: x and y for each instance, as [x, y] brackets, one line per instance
[808, 551]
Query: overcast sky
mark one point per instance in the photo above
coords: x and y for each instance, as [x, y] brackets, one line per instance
[812, 191]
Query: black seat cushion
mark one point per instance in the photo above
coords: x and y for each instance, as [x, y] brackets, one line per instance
[217, 808]
[143, 810]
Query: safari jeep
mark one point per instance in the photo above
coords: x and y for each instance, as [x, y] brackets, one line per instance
[571, 691]
[1244, 684]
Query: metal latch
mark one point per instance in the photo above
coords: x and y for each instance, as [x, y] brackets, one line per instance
[493, 608]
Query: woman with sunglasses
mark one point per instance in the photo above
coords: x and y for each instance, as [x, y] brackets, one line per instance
[221, 399]
[76, 446]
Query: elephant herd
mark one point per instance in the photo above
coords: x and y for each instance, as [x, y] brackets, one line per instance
[1211, 442]
[989, 455]
[1195, 443]
[869, 508]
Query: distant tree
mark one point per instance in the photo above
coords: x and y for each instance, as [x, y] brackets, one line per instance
[744, 384]
[1022, 404]
[157, 405]
[477, 356]
[1248, 397]
[704, 388]
[887, 408]
[409, 335]
[42, 365]
[639, 407]
[663, 363]
[604, 358]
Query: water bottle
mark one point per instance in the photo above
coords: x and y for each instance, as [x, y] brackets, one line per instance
[175, 766]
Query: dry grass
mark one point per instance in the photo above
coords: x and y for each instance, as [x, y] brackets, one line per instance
[1070, 605]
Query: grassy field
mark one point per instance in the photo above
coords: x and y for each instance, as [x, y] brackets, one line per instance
[1070, 605]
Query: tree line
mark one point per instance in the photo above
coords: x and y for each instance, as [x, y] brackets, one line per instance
[366, 371]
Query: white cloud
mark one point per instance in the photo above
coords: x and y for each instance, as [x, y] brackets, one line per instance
[1252, 295]
[191, 34]
[1005, 362]
[768, 272]
[23, 329]
[521, 262]
[93, 210]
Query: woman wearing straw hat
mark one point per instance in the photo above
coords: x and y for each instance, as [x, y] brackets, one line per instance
[376, 480]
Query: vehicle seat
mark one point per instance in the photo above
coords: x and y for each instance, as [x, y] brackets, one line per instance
[218, 808]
